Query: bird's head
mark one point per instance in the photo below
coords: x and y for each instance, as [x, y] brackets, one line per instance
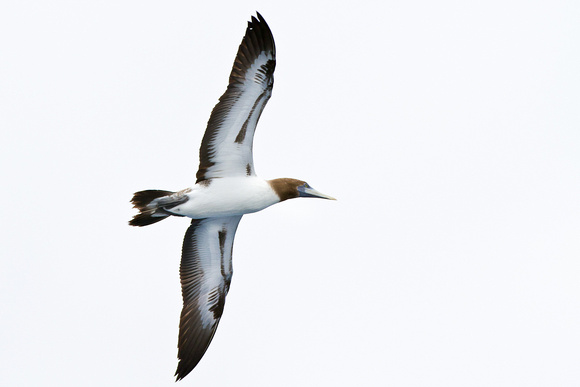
[287, 188]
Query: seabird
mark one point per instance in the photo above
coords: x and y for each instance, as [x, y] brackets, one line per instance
[226, 188]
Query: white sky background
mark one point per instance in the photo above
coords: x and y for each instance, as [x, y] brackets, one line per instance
[449, 132]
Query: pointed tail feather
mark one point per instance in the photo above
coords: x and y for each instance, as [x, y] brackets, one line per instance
[146, 218]
[153, 203]
[142, 198]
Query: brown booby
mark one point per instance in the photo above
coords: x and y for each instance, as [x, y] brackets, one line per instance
[226, 188]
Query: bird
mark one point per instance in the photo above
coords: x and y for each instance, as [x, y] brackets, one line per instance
[226, 188]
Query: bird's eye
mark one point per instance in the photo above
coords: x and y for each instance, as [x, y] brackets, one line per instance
[306, 185]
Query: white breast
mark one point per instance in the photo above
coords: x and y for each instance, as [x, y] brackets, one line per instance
[227, 197]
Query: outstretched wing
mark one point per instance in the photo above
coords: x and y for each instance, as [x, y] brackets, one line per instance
[206, 272]
[226, 148]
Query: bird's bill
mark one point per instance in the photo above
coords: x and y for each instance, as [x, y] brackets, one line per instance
[312, 193]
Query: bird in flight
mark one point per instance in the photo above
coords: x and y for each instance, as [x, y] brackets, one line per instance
[226, 188]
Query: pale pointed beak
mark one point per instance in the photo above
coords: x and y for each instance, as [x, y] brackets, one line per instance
[310, 192]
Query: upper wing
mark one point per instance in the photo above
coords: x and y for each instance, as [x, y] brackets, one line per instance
[226, 148]
[206, 272]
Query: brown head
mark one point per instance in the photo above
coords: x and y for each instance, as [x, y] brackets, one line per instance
[287, 188]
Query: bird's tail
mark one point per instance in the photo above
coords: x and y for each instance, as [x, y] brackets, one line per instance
[153, 205]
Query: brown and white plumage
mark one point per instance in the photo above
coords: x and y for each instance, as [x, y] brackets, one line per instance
[226, 188]
[226, 148]
[206, 272]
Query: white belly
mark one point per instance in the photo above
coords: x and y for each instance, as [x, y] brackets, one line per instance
[226, 197]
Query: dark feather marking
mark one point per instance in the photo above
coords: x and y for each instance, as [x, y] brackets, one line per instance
[217, 299]
[222, 237]
[242, 134]
[227, 276]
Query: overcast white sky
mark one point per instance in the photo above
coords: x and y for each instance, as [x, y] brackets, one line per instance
[449, 131]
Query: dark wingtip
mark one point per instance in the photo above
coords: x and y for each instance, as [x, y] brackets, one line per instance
[185, 368]
[263, 32]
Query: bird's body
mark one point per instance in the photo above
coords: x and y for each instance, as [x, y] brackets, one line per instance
[226, 188]
[227, 196]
